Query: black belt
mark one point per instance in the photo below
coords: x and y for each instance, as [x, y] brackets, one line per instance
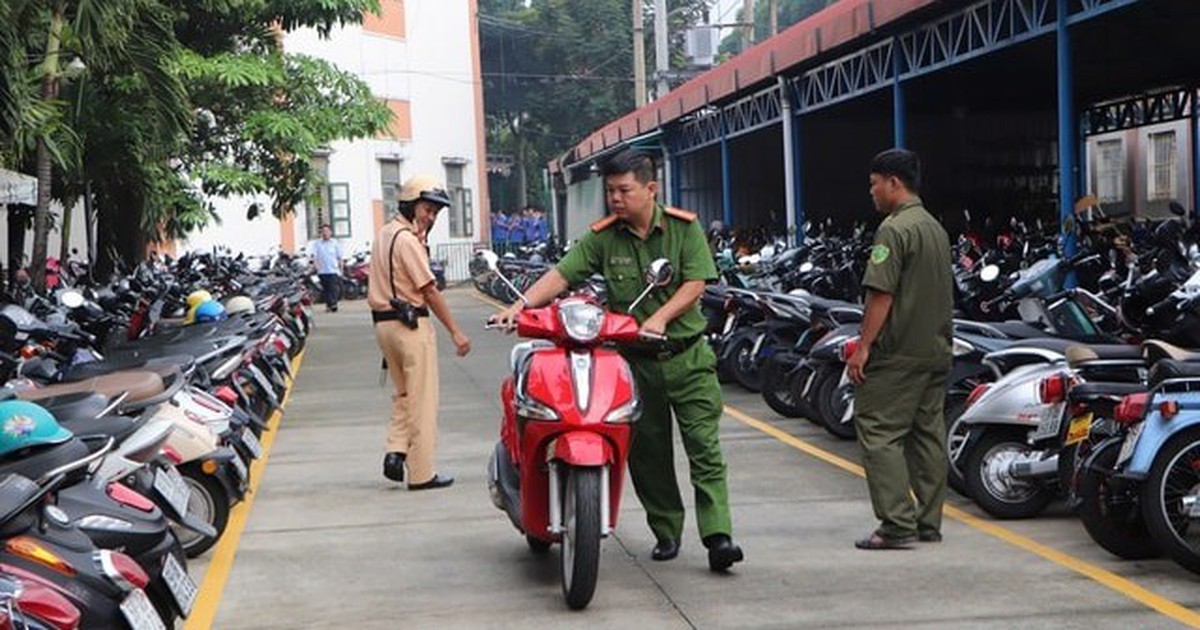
[662, 350]
[391, 316]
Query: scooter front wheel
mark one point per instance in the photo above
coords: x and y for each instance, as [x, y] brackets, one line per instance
[580, 554]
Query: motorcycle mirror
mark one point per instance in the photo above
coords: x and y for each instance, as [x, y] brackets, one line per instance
[989, 273]
[1176, 209]
[490, 258]
[71, 298]
[658, 274]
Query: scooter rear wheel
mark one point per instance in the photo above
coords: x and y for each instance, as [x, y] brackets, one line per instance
[580, 553]
[210, 502]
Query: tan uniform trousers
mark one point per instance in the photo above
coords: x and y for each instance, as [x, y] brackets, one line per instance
[413, 365]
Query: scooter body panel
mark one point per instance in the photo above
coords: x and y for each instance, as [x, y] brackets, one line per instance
[1154, 432]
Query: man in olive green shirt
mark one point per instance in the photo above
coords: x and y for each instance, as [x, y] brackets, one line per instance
[903, 358]
[677, 373]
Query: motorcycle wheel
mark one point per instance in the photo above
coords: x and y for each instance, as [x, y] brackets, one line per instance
[745, 371]
[580, 553]
[956, 440]
[777, 388]
[1174, 480]
[210, 502]
[988, 480]
[823, 382]
[797, 381]
[838, 403]
[1111, 512]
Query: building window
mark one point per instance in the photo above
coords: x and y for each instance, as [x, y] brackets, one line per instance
[339, 210]
[389, 182]
[1110, 171]
[462, 215]
[1161, 166]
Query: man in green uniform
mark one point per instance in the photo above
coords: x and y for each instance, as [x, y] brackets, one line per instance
[903, 358]
[676, 374]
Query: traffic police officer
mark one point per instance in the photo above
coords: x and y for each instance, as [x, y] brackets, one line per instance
[903, 358]
[678, 374]
[401, 292]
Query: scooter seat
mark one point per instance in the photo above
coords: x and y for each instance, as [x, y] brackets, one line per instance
[1052, 344]
[1100, 389]
[1079, 354]
[39, 460]
[1155, 350]
[163, 366]
[1015, 329]
[1170, 368]
[140, 384]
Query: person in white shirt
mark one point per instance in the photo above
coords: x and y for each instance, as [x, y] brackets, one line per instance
[327, 256]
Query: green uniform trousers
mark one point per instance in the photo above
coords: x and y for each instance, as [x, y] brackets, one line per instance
[898, 415]
[686, 384]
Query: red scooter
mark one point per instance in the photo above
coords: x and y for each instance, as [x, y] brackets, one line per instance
[569, 406]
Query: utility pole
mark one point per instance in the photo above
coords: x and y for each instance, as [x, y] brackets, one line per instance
[662, 59]
[639, 56]
[774, 17]
[748, 12]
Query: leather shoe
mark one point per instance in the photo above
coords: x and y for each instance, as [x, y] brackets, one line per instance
[666, 549]
[722, 552]
[393, 466]
[931, 536]
[438, 481]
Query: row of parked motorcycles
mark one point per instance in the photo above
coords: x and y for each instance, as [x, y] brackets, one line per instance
[130, 414]
[1072, 376]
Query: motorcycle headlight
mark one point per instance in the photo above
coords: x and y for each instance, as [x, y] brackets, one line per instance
[582, 320]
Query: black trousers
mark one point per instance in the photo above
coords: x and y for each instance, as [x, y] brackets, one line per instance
[331, 289]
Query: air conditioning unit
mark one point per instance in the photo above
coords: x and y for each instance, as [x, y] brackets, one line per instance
[700, 44]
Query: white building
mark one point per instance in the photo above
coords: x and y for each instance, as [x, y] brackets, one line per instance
[422, 58]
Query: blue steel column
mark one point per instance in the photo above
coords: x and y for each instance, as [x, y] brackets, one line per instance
[899, 112]
[787, 135]
[1068, 131]
[726, 192]
[676, 185]
[1194, 93]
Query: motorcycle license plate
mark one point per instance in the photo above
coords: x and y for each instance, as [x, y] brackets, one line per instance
[181, 585]
[1129, 444]
[140, 613]
[252, 442]
[1079, 429]
[261, 380]
[240, 466]
[1050, 421]
[170, 484]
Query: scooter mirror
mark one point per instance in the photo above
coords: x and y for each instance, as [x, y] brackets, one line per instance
[989, 273]
[71, 298]
[660, 273]
[490, 258]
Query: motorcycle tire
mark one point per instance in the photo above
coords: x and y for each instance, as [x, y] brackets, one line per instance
[1111, 510]
[744, 369]
[798, 380]
[1172, 476]
[580, 553]
[210, 502]
[993, 490]
[838, 411]
[823, 382]
[777, 387]
[956, 437]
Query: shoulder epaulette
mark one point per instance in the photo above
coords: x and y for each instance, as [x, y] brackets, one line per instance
[681, 214]
[605, 223]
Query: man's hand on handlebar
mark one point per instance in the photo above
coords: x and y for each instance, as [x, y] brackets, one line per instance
[653, 330]
[506, 319]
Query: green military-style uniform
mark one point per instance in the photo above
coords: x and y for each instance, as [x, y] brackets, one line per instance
[898, 409]
[678, 375]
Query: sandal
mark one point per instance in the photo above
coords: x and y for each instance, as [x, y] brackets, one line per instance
[879, 541]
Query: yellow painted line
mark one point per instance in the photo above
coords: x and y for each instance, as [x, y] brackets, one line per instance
[1125, 587]
[486, 299]
[205, 609]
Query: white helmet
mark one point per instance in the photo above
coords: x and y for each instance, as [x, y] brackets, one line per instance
[239, 304]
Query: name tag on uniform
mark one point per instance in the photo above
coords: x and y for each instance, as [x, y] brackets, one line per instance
[621, 261]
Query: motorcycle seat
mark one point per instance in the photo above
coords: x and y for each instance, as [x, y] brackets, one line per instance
[1099, 389]
[163, 366]
[38, 460]
[1016, 329]
[140, 384]
[1079, 354]
[1155, 350]
[76, 405]
[1053, 344]
[1170, 368]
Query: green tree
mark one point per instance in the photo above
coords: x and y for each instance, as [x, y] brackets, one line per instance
[790, 12]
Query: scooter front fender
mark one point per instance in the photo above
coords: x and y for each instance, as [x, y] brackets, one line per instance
[1156, 431]
[580, 448]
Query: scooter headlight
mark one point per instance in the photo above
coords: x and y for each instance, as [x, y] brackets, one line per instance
[582, 320]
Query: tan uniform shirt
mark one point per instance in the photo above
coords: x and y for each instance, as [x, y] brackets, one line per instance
[408, 262]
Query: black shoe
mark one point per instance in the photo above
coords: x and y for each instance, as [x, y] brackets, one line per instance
[438, 481]
[722, 552]
[333, 308]
[666, 549]
[931, 536]
[393, 466]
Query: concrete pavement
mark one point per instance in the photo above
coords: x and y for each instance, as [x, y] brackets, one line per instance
[331, 543]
